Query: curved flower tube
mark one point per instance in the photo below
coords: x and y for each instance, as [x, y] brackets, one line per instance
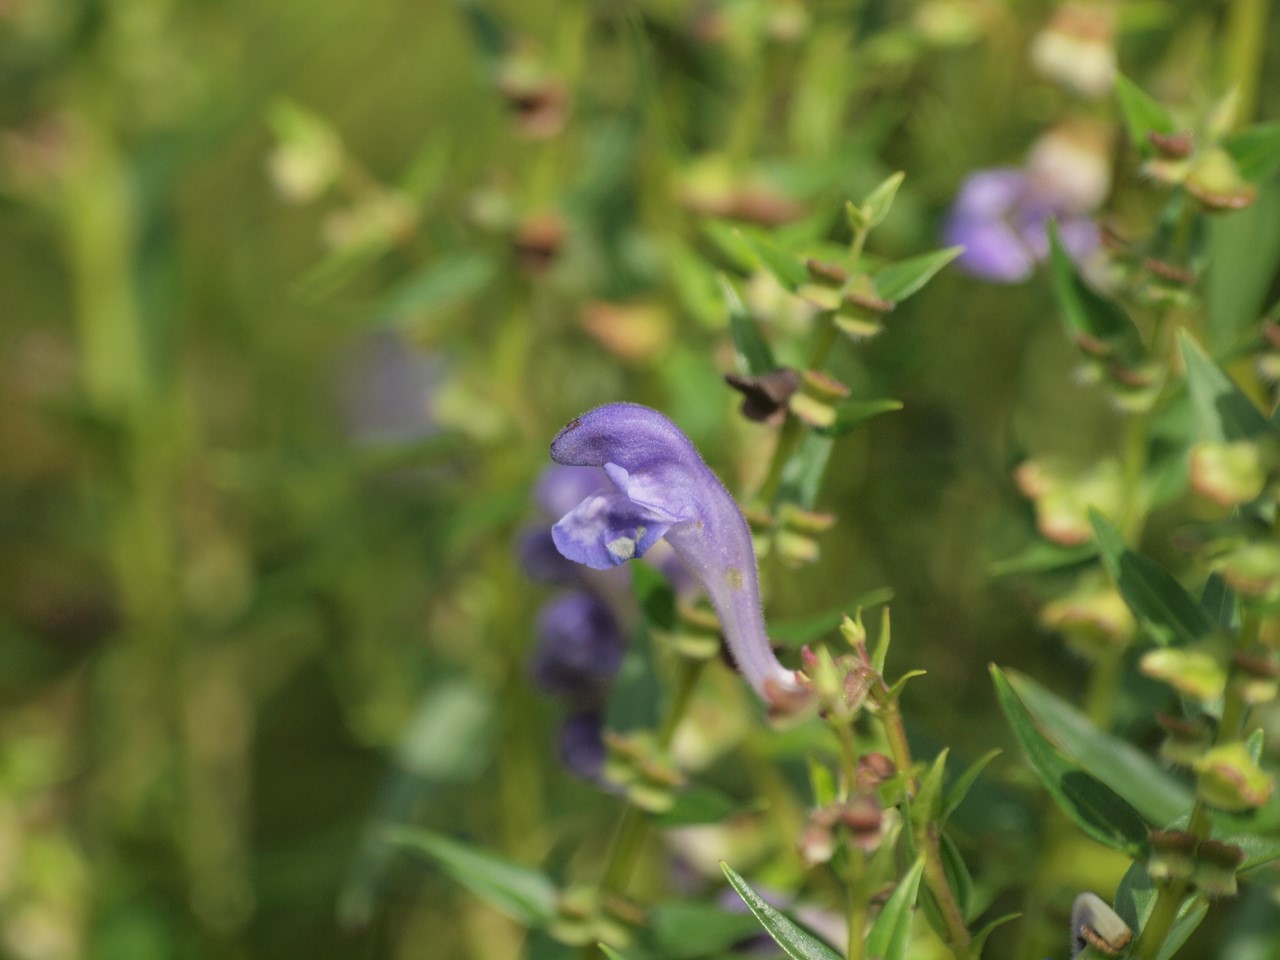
[663, 488]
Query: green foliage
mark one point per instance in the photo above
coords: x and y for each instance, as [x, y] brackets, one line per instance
[794, 941]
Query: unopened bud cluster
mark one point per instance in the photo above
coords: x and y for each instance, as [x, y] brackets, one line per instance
[1210, 865]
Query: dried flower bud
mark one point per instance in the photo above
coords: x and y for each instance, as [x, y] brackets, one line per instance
[765, 397]
[1216, 867]
[1172, 146]
[816, 401]
[538, 241]
[874, 769]
[1186, 740]
[1255, 676]
[1172, 854]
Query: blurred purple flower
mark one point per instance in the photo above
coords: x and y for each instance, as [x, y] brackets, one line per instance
[539, 558]
[1000, 217]
[662, 487]
[581, 741]
[580, 647]
[388, 390]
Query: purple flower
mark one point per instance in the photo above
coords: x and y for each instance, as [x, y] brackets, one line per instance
[661, 487]
[580, 647]
[1000, 217]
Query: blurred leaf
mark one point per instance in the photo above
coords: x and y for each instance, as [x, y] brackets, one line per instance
[802, 475]
[796, 633]
[957, 871]
[1168, 613]
[786, 268]
[1041, 556]
[1087, 312]
[699, 804]
[957, 791]
[1160, 797]
[729, 242]
[900, 280]
[890, 935]
[1243, 255]
[1092, 805]
[448, 737]
[487, 32]
[795, 942]
[1256, 151]
[1222, 410]
[980, 938]
[522, 893]
[445, 285]
[682, 931]
[1219, 602]
[880, 201]
[609, 952]
[1142, 114]
[754, 356]
[850, 413]
[1135, 899]
[655, 595]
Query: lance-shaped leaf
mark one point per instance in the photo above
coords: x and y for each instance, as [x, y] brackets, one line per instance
[1143, 115]
[1090, 317]
[900, 280]
[522, 893]
[1092, 805]
[1155, 793]
[890, 935]
[1223, 412]
[794, 941]
[1168, 613]
[850, 413]
[754, 356]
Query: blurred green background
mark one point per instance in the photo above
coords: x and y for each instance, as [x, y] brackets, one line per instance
[263, 455]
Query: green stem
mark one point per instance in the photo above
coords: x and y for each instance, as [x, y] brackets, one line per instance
[1246, 39]
[858, 911]
[935, 874]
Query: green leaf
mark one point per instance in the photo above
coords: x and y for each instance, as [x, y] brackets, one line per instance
[957, 871]
[1042, 556]
[890, 935]
[444, 285]
[609, 952]
[731, 245]
[802, 475]
[796, 633]
[1224, 413]
[1243, 255]
[980, 938]
[655, 596]
[699, 804]
[853, 412]
[957, 791]
[1168, 613]
[1087, 312]
[447, 740]
[880, 200]
[900, 280]
[786, 268]
[754, 356]
[795, 942]
[1159, 796]
[1256, 151]
[522, 893]
[1142, 114]
[1093, 806]
[682, 931]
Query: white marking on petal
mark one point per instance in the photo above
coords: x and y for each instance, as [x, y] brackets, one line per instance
[624, 548]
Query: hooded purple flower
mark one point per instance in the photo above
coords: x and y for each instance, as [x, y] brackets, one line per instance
[663, 488]
[1000, 217]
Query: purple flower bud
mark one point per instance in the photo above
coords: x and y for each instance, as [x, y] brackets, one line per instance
[1000, 218]
[663, 488]
[581, 742]
[580, 647]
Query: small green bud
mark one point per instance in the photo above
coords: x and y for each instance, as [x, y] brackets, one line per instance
[1195, 673]
[1229, 474]
[853, 631]
[697, 632]
[879, 201]
[1093, 618]
[815, 402]
[1255, 676]
[642, 769]
[1229, 779]
[1215, 181]
[1253, 570]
